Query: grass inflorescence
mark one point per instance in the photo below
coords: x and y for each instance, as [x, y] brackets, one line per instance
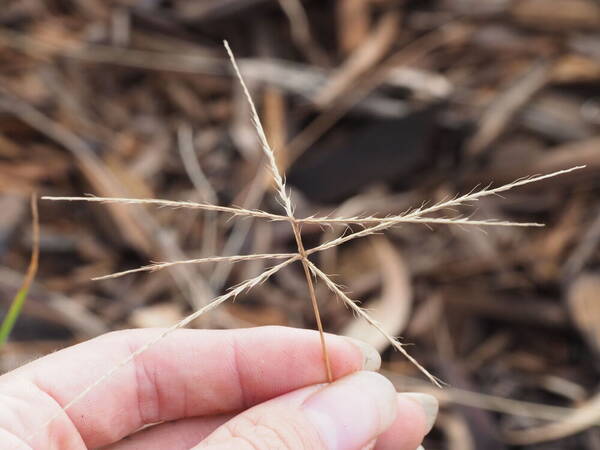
[368, 225]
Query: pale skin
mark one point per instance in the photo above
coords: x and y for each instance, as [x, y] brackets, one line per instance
[252, 389]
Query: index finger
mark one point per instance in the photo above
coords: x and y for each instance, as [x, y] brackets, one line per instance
[189, 373]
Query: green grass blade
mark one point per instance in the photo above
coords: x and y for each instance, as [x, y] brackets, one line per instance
[13, 314]
[17, 304]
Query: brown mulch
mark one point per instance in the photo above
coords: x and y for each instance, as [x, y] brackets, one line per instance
[374, 106]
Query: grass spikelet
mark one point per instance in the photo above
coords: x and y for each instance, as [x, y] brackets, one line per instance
[164, 265]
[289, 209]
[361, 312]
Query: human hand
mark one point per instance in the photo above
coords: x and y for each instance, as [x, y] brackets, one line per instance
[212, 389]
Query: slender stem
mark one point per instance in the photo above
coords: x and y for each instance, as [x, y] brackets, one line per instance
[313, 298]
[17, 304]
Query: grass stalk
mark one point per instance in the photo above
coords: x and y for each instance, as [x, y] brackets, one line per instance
[18, 301]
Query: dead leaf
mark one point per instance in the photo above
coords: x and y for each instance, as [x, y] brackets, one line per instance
[393, 308]
[582, 300]
[156, 316]
[584, 417]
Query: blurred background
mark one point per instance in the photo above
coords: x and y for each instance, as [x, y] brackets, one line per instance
[373, 106]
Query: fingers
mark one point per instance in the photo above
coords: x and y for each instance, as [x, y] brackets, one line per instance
[181, 434]
[347, 414]
[189, 373]
[416, 416]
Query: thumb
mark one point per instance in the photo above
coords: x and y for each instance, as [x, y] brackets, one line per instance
[347, 414]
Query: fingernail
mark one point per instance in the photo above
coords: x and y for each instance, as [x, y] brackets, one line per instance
[370, 445]
[352, 411]
[371, 357]
[420, 447]
[429, 404]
